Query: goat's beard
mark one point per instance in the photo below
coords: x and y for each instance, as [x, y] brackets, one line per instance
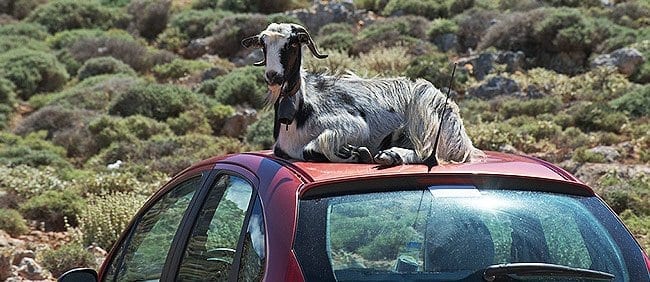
[273, 95]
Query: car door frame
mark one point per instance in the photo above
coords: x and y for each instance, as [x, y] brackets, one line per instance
[181, 238]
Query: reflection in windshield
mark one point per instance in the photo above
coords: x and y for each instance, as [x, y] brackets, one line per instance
[461, 231]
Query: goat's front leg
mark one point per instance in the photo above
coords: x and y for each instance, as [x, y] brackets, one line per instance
[333, 146]
[396, 156]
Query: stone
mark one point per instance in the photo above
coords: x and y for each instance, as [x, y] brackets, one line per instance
[608, 152]
[20, 255]
[626, 60]
[591, 172]
[514, 61]
[236, 125]
[5, 266]
[495, 86]
[31, 270]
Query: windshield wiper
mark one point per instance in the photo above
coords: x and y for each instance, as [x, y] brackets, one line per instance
[493, 272]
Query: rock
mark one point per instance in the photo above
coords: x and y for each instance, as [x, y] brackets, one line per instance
[31, 270]
[5, 266]
[626, 60]
[591, 172]
[197, 48]
[495, 86]
[610, 153]
[20, 255]
[514, 61]
[236, 125]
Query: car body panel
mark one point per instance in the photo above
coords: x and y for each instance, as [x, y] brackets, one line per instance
[280, 183]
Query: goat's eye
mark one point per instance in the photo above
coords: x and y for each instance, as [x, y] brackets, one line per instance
[295, 44]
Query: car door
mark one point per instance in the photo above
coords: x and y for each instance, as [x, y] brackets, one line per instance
[142, 252]
[226, 239]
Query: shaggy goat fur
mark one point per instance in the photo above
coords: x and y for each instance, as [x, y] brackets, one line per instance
[350, 119]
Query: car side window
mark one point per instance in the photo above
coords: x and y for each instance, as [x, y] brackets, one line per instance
[143, 255]
[215, 235]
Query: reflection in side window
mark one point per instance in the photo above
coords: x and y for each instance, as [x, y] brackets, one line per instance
[211, 248]
[253, 254]
[143, 256]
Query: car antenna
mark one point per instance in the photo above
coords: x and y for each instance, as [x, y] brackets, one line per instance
[432, 161]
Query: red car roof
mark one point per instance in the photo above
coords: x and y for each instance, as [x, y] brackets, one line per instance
[494, 164]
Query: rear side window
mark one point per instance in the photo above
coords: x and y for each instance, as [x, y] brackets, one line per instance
[452, 233]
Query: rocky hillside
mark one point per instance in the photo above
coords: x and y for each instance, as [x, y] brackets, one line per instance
[102, 101]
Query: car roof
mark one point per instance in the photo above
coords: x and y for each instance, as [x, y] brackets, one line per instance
[495, 163]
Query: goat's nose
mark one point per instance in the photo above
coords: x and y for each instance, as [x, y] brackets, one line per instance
[273, 77]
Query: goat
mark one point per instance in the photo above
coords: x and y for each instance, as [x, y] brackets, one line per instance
[387, 121]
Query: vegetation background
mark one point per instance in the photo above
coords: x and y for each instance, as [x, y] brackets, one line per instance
[102, 101]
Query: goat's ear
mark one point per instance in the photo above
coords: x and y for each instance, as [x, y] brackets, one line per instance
[252, 42]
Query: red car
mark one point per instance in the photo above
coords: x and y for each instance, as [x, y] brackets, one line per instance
[253, 216]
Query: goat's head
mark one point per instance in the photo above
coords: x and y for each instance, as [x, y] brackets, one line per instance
[282, 46]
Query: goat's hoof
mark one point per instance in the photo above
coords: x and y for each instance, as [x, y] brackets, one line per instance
[388, 158]
[359, 154]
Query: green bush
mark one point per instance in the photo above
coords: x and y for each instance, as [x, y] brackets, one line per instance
[169, 154]
[598, 116]
[94, 93]
[149, 17]
[32, 71]
[229, 31]
[634, 14]
[244, 6]
[335, 36]
[64, 127]
[31, 30]
[67, 256]
[406, 31]
[388, 62]
[10, 42]
[7, 100]
[59, 15]
[193, 121]
[179, 68]
[127, 50]
[103, 65]
[440, 27]
[67, 38]
[156, 101]
[260, 133]
[639, 226]
[217, 116]
[106, 216]
[437, 68]
[54, 209]
[31, 150]
[573, 3]
[195, 23]
[533, 107]
[583, 155]
[19, 9]
[24, 182]
[244, 85]
[473, 25]
[107, 130]
[634, 102]
[12, 222]
[430, 9]
[119, 181]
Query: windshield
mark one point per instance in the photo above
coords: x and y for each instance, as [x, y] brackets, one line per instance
[456, 232]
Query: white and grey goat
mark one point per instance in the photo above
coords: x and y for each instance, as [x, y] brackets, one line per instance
[387, 121]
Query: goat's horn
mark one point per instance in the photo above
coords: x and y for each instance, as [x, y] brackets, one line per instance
[260, 63]
[305, 38]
